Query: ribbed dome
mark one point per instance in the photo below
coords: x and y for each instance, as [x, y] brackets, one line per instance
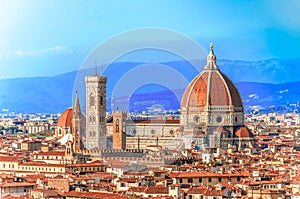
[243, 132]
[211, 87]
[65, 120]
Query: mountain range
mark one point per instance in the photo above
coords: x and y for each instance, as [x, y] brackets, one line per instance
[267, 83]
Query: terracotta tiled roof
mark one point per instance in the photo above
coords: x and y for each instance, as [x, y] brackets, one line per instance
[65, 120]
[8, 159]
[137, 189]
[115, 163]
[243, 132]
[129, 180]
[17, 197]
[51, 153]
[213, 192]
[93, 195]
[211, 88]
[197, 190]
[157, 190]
[17, 184]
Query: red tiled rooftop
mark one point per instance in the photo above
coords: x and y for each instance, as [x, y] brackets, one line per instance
[197, 190]
[51, 153]
[17, 197]
[243, 132]
[17, 184]
[93, 195]
[129, 180]
[211, 88]
[157, 190]
[65, 120]
[9, 159]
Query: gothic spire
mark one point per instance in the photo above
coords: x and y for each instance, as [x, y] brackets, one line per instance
[77, 110]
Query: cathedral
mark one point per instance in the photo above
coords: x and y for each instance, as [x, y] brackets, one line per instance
[212, 111]
[212, 115]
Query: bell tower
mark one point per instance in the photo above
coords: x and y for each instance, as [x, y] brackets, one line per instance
[96, 112]
[119, 130]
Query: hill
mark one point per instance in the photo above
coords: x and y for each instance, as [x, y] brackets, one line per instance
[263, 83]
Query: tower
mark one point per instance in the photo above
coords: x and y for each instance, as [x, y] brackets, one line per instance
[119, 130]
[78, 126]
[96, 111]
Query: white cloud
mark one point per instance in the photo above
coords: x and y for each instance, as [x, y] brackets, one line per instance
[46, 51]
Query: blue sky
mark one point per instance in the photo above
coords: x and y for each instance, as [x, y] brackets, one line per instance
[45, 38]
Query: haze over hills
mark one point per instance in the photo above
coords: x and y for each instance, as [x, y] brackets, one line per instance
[264, 83]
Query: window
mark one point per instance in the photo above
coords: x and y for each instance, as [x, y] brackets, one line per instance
[92, 99]
[209, 179]
[200, 180]
[101, 101]
[171, 132]
[190, 180]
[219, 179]
[117, 125]
[197, 119]
[180, 180]
[122, 184]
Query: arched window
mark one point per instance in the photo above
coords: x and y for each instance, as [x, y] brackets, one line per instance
[117, 125]
[92, 99]
[171, 132]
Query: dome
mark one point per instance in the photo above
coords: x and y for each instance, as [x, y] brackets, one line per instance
[65, 120]
[211, 88]
[243, 132]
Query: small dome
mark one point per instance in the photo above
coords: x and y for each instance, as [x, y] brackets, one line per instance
[220, 129]
[65, 120]
[243, 132]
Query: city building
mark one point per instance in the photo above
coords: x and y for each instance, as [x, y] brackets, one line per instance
[212, 115]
